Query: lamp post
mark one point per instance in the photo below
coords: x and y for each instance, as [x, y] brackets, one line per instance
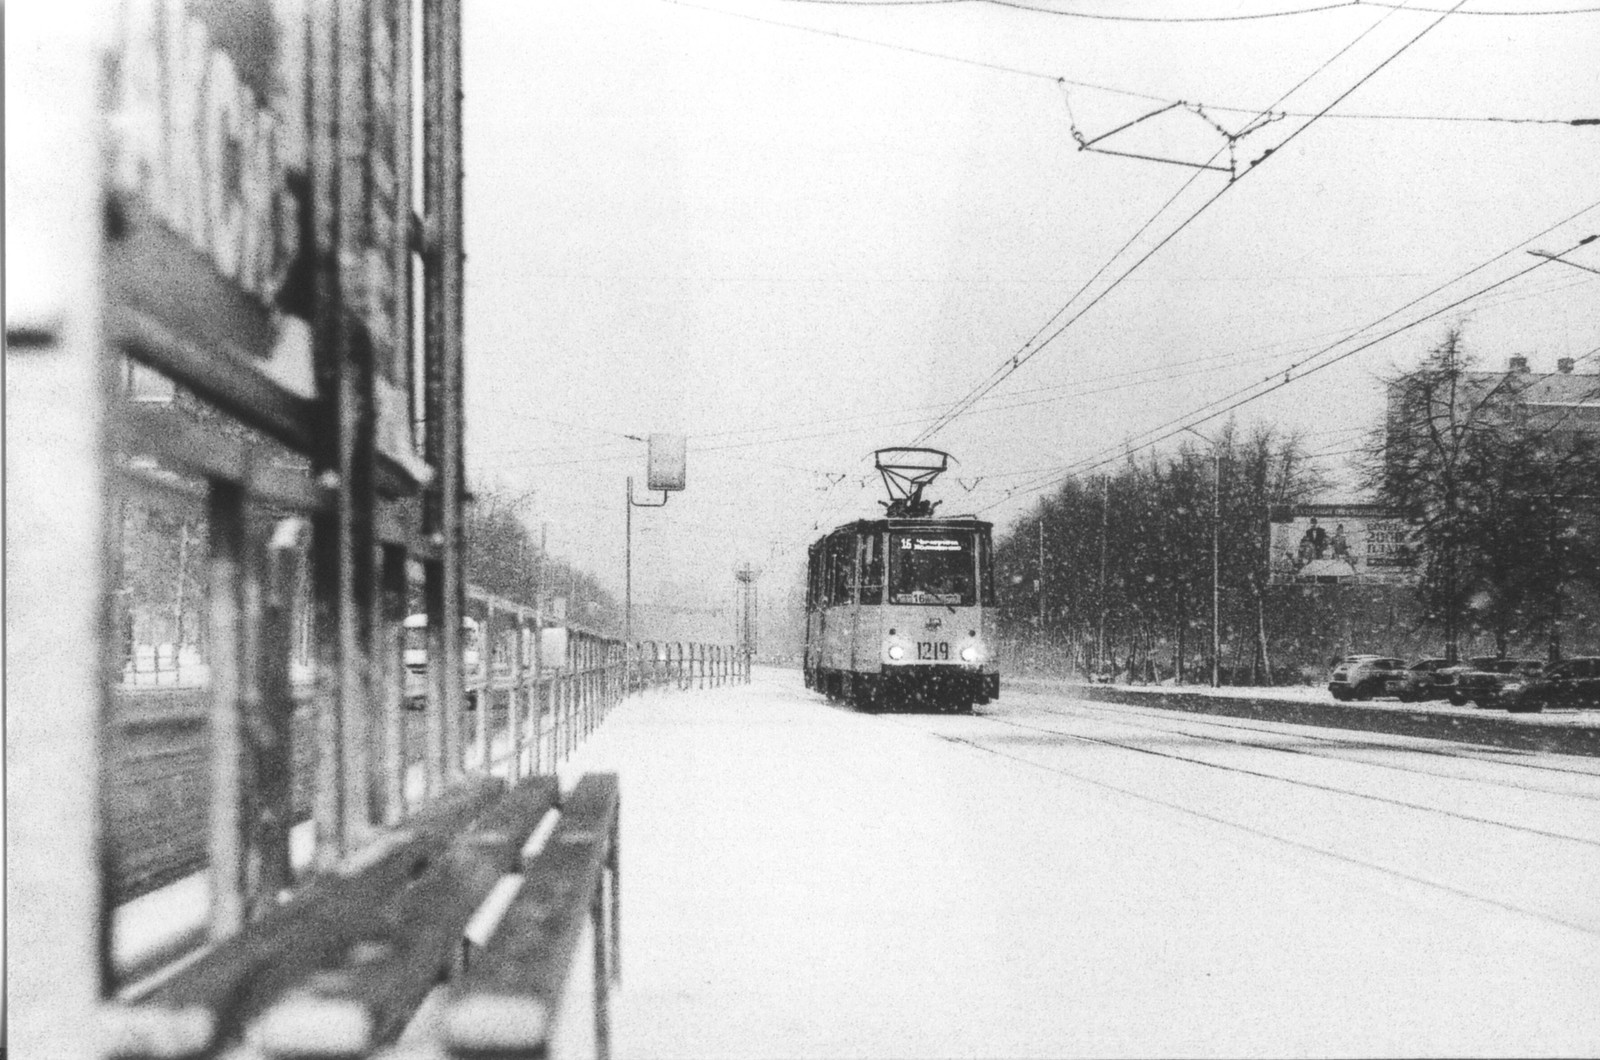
[627, 581]
[666, 464]
[1216, 560]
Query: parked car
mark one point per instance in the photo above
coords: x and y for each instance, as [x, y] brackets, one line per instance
[1569, 683]
[1482, 683]
[1365, 676]
[1448, 678]
[1427, 679]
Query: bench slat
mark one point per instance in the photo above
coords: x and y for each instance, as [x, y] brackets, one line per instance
[506, 1002]
[374, 934]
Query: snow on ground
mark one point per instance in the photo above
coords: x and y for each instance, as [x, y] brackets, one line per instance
[1061, 877]
[800, 880]
[1308, 694]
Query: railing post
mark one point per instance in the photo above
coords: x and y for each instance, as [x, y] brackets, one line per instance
[389, 678]
[486, 638]
[537, 691]
[228, 545]
[515, 699]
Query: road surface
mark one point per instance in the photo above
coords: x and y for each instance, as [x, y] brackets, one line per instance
[1055, 877]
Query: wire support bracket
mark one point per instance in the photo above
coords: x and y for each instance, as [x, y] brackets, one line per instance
[1229, 136]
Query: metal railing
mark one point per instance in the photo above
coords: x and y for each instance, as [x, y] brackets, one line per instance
[687, 665]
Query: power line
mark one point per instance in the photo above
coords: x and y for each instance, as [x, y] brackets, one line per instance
[1180, 19]
[1085, 14]
[1041, 75]
[1167, 19]
[1181, 423]
[1256, 17]
[1077, 390]
[1025, 354]
[1472, 11]
[1288, 373]
[1017, 360]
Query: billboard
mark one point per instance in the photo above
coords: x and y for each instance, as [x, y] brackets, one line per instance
[1360, 544]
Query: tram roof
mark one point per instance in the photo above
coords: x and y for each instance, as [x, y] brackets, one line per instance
[949, 522]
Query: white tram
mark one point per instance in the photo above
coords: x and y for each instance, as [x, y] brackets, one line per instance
[900, 611]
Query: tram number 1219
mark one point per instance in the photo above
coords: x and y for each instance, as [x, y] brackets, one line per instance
[930, 649]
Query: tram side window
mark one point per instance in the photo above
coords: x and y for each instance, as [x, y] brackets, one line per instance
[820, 592]
[841, 569]
[813, 596]
[871, 568]
[985, 571]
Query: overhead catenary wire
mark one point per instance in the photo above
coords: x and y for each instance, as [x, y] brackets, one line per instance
[1043, 75]
[1071, 392]
[1180, 424]
[1299, 369]
[782, 434]
[1318, 9]
[1186, 420]
[1099, 16]
[1017, 360]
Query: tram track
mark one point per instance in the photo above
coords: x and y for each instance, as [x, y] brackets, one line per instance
[1328, 788]
[1181, 728]
[1566, 849]
[1500, 756]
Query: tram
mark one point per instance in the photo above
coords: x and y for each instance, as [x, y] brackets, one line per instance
[900, 611]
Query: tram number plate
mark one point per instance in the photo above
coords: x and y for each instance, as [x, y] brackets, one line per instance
[933, 649]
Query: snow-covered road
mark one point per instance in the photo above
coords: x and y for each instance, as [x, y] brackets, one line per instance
[1058, 877]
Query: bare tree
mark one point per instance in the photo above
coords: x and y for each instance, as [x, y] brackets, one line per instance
[1495, 496]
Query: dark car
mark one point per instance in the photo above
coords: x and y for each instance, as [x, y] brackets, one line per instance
[1427, 679]
[1483, 682]
[1572, 683]
[1448, 678]
[1365, 676]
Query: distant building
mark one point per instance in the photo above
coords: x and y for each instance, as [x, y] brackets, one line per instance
[1564, 404]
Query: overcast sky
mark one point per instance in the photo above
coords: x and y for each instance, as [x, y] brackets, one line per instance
[797, 231]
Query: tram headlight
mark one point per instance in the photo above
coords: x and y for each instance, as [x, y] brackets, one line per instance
[896, 652]
[969, 654]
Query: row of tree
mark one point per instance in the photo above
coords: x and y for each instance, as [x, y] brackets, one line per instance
[504, 558]
[1115, 572]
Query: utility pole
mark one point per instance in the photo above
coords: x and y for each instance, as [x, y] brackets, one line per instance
[1105, 518]
[1216, 555]
[627, 591]
[1041, 573]
[627, 568]
[1216, 563]
[747, 575]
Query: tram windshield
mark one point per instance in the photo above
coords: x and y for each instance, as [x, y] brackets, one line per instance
[931, 567]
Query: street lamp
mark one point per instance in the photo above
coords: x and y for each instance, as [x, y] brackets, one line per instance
[627, 592]
[1216, 563]
[666, 464]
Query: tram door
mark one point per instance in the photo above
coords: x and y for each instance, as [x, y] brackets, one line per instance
[866, 632]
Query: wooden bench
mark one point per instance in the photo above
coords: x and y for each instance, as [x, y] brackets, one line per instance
[507, 1004]
[341, 969]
